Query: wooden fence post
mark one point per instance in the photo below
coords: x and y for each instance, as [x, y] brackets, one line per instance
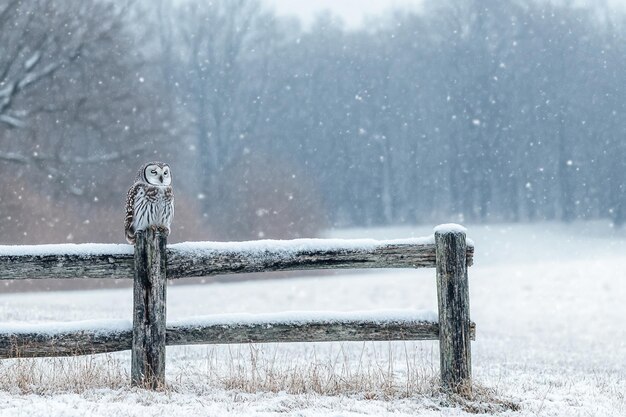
[148, 347]
[454, 319]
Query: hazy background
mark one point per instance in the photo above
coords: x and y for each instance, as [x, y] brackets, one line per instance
[279, 126]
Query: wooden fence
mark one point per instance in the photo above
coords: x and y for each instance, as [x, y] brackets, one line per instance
[151, 262]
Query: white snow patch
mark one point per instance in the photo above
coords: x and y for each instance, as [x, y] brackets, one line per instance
[53, 328]
[80, 249]
[240, 319]
[253, 248]
[290, 247]
[454, 228]
[306, 317]
[450, 228]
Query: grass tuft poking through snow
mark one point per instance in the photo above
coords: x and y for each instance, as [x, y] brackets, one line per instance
[373, 371]
[61, 375]
[482, 400]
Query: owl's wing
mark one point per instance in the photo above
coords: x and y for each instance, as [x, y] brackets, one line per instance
[130, 213]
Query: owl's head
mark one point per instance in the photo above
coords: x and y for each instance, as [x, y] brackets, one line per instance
[155, 173]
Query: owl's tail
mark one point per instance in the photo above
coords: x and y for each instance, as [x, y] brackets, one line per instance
[130, 236]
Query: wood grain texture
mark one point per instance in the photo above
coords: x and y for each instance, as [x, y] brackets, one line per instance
[319, 331]
[149, 311]
[454, 312]
[73, 343]
[213, 260]
[63, 343]
[116, 266]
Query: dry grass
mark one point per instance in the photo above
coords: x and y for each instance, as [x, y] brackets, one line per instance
[391, 371]
[373, 371]
[61, 375]
[481, 400]
[381, 371]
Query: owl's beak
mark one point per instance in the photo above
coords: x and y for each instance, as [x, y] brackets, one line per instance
[161, 178]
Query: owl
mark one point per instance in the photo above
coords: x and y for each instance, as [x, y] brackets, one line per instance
[150, 201]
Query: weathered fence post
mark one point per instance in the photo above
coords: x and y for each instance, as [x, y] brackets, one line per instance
[454, 319]
[148, 348]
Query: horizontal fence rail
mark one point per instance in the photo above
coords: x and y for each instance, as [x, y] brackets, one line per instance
[199, 259]
[105, 336]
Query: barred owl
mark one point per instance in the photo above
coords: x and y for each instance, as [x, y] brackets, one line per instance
[150, 201]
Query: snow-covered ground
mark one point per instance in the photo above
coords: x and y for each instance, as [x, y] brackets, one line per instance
[548, 301]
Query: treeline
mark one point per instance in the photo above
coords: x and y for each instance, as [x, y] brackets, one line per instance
[472, 110]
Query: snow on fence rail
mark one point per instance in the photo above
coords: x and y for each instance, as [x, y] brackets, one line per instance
[151, 262]
[200, 259]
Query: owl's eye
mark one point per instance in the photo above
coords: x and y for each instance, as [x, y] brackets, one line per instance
[153, 172]
[166, 173]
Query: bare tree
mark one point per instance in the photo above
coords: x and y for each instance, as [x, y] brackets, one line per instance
[72, 92]
[78, 108]
[219, 78]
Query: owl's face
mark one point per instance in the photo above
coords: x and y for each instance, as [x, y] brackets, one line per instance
[158, 174]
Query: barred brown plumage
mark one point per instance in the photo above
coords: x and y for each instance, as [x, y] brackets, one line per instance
[150, 200]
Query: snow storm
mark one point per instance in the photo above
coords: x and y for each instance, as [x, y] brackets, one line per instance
[316, 140]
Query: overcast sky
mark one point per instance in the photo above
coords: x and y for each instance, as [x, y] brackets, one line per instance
[351, 11]
[354, 11]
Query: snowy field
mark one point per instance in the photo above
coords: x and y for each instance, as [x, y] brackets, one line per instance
[548, 301]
